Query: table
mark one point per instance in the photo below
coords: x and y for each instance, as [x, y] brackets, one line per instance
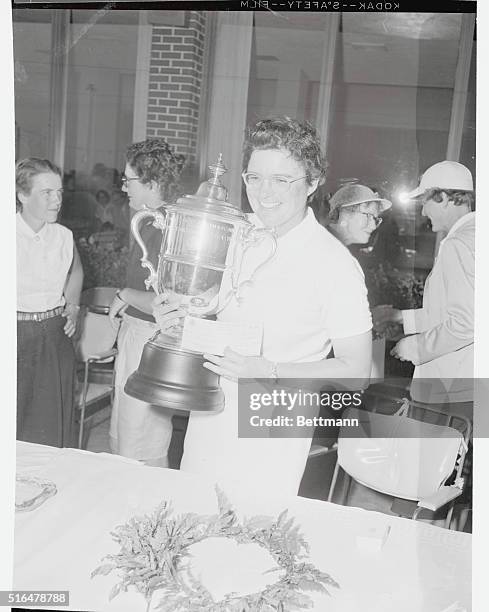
[420, 568]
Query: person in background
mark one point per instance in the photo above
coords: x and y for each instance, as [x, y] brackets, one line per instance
[304, 314]
[121, 215]
[49, 283]
[104, 212]
[355, 213]
[139, 430]
[100, 178]
[440, 335]
[67, 209]
[121, 211]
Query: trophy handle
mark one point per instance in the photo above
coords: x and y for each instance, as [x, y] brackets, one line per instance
[159, 222]
[251, 237]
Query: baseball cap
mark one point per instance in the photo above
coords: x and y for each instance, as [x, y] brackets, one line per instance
[444, 175]
[349, 195]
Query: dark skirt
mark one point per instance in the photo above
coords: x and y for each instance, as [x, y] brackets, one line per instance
[45, 382]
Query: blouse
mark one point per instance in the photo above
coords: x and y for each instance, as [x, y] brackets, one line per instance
[44, 259]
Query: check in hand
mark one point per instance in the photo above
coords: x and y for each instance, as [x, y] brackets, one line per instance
[167, 311]
[233, 365]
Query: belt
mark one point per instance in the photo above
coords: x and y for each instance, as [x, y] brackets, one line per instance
[39, 316]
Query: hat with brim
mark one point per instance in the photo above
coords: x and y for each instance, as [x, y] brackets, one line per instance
[444, 175]
[350, 195]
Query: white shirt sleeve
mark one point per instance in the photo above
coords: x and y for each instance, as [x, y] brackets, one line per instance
[457, 329]
[345, 310]
[414, 321]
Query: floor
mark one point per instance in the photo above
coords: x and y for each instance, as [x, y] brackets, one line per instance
[98, 438]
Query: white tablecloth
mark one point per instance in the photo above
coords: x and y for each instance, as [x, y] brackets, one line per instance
[420, 568]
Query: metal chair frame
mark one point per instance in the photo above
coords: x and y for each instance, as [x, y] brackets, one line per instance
[452, 491]
[84, 406]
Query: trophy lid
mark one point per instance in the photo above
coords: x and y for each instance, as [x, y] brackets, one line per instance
[211, 196]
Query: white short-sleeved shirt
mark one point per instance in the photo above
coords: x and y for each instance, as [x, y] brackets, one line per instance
[311, 292]
[43, 262]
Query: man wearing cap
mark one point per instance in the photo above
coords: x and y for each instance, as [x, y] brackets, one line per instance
[354, 213]
[440, 335]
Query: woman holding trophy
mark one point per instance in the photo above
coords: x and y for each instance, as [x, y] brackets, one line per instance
[305, 312]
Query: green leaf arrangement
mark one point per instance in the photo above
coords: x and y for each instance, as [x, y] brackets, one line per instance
[154, 556]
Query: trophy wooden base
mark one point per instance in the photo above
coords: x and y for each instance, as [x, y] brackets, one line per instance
[175, 379]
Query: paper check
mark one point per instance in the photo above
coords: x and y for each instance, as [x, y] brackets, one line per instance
[205, 336]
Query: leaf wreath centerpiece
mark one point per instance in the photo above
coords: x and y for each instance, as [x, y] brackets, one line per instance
[156, 556]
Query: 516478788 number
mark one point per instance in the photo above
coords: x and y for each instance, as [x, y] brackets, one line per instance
[53, 598]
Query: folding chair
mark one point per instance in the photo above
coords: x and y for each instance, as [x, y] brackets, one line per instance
[96, 353]
[404, 456]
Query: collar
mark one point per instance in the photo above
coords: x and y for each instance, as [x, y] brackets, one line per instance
[457, 225]
[26, 229]
[462, 221]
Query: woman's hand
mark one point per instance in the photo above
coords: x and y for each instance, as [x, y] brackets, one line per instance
[233, 365]
[407, 350]
[117, 308]
[71, 312]
[167, 313]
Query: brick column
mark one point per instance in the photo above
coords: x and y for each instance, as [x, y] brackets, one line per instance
[175, 81]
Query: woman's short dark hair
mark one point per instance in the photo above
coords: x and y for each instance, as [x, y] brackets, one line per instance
[25, 171]
[299, 138]
[154, 160]
[458, 197]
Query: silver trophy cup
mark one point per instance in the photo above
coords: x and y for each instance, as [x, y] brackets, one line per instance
[204, 237]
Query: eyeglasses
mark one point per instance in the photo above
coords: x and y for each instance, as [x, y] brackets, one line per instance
[376, 220]
[125, 180]
[279, 184]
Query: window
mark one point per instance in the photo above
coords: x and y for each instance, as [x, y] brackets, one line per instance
[380, 89]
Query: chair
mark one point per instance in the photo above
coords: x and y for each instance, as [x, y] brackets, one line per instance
[404, 456]
[96, 354]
